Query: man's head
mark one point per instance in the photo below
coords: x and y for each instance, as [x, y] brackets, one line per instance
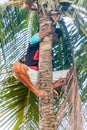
[65, 4]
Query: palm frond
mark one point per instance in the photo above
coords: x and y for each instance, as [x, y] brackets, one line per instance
[18, 105]
[10, 26]
[71, 105]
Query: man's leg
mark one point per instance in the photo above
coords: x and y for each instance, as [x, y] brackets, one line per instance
[59, 83]
[21, 73]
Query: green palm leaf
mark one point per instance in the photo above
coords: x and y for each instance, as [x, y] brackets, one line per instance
[18, 105]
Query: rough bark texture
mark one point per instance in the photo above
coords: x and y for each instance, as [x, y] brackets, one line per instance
[46, 106]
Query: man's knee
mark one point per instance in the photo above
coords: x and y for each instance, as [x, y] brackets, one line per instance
[16, 67]
[19, 68]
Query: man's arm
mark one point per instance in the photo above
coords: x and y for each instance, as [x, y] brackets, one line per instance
[49, 30]
[39, 36]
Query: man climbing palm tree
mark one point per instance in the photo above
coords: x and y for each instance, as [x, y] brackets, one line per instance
[28, 71]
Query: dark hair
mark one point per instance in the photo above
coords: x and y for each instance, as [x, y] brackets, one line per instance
[65, 5]
[59, 32]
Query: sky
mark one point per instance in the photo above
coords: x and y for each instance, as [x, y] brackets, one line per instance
[3, 1]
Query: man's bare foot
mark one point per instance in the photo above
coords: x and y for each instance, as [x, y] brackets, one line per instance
[42, 94]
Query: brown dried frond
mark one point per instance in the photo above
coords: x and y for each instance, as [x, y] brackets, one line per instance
[71, 104]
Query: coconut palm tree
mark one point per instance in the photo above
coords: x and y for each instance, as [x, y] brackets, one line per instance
[45, 71]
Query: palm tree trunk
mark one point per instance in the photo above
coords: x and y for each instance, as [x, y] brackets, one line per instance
[46, 106]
